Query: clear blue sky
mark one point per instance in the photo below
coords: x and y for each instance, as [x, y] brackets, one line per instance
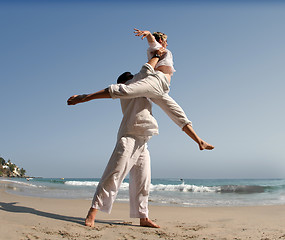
[229, 57]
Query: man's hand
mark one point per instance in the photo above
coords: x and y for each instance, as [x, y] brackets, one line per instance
[154, 60]
[160, 51]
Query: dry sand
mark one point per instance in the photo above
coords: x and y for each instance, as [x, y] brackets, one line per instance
[39, 218]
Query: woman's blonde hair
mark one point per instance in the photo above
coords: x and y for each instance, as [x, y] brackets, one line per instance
[159, 35]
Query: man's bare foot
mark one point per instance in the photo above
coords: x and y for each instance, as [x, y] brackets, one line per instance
[146, 222]
[89, 220]
[204, 145]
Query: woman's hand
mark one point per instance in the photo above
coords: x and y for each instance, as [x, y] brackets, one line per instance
[142, 33]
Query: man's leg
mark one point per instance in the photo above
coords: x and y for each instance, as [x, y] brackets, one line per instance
[140, 178]
[90, 218]
[115, 172]
[126, 152]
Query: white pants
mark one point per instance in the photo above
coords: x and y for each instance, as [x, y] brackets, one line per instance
[130, 155]
[154, 85]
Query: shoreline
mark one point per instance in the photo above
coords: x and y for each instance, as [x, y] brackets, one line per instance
[163, 192]
[23, 217]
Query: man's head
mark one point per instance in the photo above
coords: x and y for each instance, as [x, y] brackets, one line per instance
[124, 77]
[161, 38]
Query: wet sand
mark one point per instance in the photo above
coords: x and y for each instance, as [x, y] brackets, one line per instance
[42, 218]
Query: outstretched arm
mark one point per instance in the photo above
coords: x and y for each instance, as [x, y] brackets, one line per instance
[150, 38]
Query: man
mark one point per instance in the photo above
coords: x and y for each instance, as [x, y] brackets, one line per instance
[130, 155]
[130, 151]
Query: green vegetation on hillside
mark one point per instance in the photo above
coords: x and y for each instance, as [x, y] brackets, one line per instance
[9, 169]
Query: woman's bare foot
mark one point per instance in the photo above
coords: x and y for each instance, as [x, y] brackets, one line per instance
[146, 222]
[89, 220]
[204, 145]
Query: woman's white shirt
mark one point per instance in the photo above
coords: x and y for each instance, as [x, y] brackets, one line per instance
[166, 59]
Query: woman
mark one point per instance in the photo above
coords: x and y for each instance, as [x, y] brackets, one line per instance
[156, 41]
[151, 82]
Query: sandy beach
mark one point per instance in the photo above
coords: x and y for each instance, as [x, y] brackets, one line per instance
[24, 217]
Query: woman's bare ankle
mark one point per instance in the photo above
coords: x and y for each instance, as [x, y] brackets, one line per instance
[204, 145]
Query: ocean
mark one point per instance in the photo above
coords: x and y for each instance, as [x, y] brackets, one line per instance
[169, 192]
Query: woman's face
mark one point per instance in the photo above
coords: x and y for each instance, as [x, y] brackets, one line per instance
[163, 42]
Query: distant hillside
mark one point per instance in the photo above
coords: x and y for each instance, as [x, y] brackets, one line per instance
[9, 169]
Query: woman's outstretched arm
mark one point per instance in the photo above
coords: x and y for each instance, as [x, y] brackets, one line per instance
[150, 38]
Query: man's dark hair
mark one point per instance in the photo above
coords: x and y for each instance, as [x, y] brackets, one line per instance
[124, 77]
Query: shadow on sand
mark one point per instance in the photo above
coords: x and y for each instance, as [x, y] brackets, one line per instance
[14, 208]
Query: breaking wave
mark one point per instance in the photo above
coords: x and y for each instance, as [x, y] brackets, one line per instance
[242, 189]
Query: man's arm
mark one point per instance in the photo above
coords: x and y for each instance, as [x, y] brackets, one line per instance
[156, 57]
